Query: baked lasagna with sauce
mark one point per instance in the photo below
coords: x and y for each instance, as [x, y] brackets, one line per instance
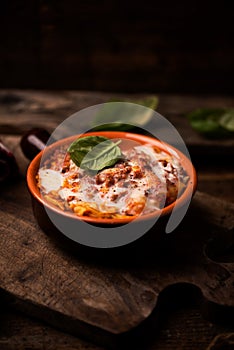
[143, 180]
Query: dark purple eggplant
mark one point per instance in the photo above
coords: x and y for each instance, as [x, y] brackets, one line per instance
[34, 141]
[8, 166]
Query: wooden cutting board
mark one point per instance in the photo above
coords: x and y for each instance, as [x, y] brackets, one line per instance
[109, 299]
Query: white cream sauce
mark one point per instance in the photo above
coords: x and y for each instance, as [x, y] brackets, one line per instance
[50, 180]
[115, 198]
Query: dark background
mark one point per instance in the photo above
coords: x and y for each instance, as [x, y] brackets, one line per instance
[128, 46]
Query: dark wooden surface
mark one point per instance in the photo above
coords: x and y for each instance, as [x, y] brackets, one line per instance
[117, 46]
[19, 111]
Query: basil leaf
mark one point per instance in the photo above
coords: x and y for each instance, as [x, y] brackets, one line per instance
[104, 154]
[125, 116]
[94, 152]
[80, 147]
[227, 120]
[217, 122]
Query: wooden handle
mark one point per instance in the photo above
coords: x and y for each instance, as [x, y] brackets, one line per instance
[33, 142]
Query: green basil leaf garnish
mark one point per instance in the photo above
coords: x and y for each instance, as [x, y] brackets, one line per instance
[94, 152]
[217, 122]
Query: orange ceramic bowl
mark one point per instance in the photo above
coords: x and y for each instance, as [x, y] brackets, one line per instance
[39, 203]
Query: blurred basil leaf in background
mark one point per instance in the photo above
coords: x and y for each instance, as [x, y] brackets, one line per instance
[213, 123]
[112, 115]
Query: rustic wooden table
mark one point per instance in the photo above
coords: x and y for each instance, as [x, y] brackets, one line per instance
[180, 324]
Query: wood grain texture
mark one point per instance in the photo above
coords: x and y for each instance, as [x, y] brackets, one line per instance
[18, 332]
[79, 295]
[177, 328]
[83, 295]
[21, 110]
[117, 46]
[223, 341]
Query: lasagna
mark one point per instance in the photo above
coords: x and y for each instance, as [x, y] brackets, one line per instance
[145, 179]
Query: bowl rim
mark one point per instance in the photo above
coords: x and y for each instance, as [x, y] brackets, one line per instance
[143, 139]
